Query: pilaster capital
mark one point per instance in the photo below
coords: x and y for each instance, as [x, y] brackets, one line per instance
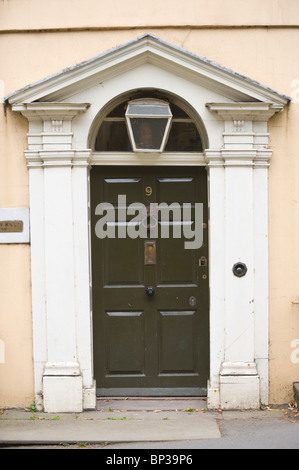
[254, 157]
[50, 135]
[245, 135]
[50, 110]
[239, 112]
[58, 158]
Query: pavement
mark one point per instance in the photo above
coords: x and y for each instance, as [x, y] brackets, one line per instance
[146, 422]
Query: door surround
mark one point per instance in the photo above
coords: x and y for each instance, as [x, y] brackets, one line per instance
[61, 111]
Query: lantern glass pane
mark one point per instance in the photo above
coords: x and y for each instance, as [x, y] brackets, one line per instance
[113, 137]
[148, 133]
[148, 110]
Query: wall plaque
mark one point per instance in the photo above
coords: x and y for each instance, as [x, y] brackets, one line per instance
[14, 225]
[11, 226]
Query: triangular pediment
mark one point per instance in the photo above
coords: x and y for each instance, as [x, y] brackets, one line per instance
[147, 49]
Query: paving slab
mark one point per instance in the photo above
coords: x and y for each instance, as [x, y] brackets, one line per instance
[19, 426]
[145, 421]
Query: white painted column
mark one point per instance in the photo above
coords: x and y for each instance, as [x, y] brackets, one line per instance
[62, 378]
[239, 291]
[239, 381]
[240, 219]
[59, 249]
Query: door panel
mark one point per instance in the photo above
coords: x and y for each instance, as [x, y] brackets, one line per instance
[131, 187]
[117, 273]
[125, 342]
[149, 345]
[179, 189]
[177, 342]
[177, 265]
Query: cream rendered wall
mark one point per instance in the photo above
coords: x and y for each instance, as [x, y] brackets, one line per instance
[125, 14]
[36, 41]
[16, 361]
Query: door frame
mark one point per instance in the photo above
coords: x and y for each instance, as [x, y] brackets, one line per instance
[237, 188]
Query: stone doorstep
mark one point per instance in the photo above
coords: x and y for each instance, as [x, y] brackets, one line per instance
[151, 403]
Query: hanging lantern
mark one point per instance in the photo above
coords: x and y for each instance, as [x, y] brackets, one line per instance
[148, 122]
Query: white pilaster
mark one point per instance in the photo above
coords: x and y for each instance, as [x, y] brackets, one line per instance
[242, 300]
[59, 242]
[60, 290]
[239, 291]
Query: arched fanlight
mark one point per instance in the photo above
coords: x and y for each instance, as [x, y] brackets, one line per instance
[148, 122]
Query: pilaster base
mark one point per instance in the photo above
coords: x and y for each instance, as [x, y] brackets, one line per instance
[239, 386]
[63, 394]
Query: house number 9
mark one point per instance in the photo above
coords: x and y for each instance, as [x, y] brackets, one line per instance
[148, 190]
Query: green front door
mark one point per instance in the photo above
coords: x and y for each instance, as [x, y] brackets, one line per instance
[150, 294]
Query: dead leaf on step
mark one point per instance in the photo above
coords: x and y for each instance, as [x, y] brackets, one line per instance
[292, 406]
